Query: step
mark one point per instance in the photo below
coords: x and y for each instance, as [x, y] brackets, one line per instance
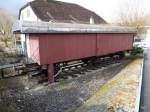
[31, 64]
[36, 73]
[32, 69]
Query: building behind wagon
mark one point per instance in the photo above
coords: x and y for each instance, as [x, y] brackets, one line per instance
[55, 12]
[55, 32]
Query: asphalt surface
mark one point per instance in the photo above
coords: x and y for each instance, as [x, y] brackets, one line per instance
[145, 95]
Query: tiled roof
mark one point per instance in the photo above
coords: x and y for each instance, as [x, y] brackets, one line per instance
[57, 11]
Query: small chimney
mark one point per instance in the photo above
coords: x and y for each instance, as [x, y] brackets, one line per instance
[91, 20]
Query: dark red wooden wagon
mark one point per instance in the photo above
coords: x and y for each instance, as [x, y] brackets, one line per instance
[51, 43]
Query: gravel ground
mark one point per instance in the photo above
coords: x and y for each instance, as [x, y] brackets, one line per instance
[63, 96]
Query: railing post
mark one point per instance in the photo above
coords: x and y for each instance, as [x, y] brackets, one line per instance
[50, 73]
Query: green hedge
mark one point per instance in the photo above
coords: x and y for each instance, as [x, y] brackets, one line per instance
[137, 50]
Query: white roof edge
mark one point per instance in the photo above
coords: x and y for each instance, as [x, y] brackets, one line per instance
[49, 27]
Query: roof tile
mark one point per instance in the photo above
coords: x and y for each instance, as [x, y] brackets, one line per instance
[57, 11]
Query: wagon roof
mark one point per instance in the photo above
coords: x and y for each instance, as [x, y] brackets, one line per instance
[51, 10]
[48, 27]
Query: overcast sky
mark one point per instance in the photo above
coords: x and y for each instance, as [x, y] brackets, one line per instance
[108, 9]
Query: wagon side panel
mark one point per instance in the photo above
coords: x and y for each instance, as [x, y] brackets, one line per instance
[112, 43]
[64, 47]
[34, 48]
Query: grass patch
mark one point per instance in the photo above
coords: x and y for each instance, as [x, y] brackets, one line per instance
[62, 82]
[137, 50]
[6, 103]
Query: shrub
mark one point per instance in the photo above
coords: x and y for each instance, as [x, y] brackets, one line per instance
[137, 50]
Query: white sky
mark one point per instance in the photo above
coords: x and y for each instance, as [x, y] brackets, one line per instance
[104, 8]
[107, 9]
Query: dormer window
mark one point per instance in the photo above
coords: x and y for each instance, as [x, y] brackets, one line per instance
[91, 20]
[28, 13]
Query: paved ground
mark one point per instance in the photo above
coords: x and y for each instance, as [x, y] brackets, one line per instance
[119, 94]
[145, 96]
[58, 97]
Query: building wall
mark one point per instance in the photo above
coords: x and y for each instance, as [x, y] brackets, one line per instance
[23, 44]
[28, 45]
[27, 14]
[147, 39]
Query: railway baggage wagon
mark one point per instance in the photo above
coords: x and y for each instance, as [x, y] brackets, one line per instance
[50, 43]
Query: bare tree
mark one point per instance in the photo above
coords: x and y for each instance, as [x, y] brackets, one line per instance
[132, 13]
[6, 36]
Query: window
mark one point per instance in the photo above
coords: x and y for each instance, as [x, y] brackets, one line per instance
[28, 13]
[137, 40]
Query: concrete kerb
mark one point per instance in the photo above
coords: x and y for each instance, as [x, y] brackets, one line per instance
[138, 94]
[136, 81]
